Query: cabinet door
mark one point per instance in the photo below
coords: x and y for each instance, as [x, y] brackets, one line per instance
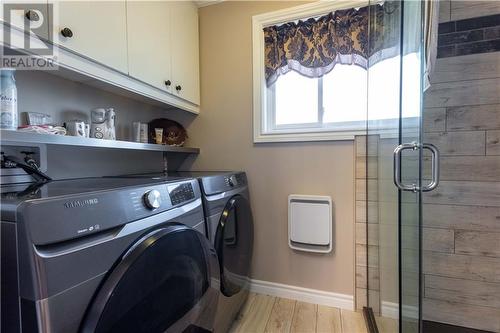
[149, 43]
[95, 29]
[29, 15]
[185, 51]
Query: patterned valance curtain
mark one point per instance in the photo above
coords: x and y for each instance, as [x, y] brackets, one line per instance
[314, 46]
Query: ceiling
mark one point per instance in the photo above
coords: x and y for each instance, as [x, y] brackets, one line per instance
[204, 3]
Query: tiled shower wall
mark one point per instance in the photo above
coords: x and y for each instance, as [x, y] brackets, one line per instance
[367, 228]
[461, 217]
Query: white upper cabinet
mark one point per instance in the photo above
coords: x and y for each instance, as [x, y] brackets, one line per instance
[149, 48]
[149, 43]
[163, 46]
[185, 51]
[94, 29]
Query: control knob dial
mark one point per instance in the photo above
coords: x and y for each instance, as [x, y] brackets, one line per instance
[152, 199]
[232, 181]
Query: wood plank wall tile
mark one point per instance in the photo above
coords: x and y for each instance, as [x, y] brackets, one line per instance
[435, 120]
[362, 251]
[444, 11]
[481, 218]
[477, 243]
[474, 168]
[360, 143]
[462, 291]
[462, 266]
[468, 67]
[361, 212]
[458, 143]
[465, 193]
[461, 93]
[361, 189]
[438, 240]
[361, 164]
[479, 317]
[461, 9]
[373, 280]
[361, 234]
[476, 117]
[493, 142]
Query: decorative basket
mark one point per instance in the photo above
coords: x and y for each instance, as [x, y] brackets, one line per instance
[174, 134]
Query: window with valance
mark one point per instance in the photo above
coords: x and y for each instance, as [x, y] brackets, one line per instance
[315, 65]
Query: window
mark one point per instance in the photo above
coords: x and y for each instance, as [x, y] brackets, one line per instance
[336, 101]
[299, 108]
[295, 107]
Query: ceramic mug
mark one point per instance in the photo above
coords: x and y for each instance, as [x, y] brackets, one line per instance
[76, 128]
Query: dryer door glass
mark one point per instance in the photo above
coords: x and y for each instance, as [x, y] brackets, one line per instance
[234, 244]
[162, 282]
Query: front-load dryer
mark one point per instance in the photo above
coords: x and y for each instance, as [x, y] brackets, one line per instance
[229, 220]
[106, 255]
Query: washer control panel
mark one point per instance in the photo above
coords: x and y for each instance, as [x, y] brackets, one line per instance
[180, 193]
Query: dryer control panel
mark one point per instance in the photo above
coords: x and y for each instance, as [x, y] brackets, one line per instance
[224, 182]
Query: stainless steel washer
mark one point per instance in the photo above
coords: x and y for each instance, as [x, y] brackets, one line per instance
[106, 255]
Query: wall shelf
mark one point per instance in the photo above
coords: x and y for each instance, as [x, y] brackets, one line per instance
[15, 137]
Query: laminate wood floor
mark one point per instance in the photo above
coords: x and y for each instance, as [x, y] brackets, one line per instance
[266, 314]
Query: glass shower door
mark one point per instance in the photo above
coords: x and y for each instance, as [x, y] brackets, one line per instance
[395, 93]
[410, 166]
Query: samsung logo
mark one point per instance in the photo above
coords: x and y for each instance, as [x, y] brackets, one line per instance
[81, 203]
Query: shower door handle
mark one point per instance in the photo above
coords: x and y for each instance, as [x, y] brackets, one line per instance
[397, 167]
[435, 167]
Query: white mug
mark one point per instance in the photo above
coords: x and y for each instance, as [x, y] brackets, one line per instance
[76, 128]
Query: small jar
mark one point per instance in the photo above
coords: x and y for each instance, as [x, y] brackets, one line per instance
[8, 100]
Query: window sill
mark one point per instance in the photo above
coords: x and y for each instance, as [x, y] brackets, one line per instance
[307, 137]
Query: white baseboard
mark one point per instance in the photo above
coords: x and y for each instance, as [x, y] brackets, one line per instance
[303, 294]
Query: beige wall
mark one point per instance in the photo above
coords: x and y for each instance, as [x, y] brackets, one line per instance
[223, 131]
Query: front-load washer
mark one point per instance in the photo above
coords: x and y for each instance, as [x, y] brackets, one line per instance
[228, 214]
[106, 255]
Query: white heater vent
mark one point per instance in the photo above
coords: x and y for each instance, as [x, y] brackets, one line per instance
[310, 223]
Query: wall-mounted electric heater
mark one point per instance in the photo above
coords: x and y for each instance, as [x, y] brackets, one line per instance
[310, 223]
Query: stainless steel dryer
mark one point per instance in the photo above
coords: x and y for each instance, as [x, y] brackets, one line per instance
[106, 255]
[230, 227]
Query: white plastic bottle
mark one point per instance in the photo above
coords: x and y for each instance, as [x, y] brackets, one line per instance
[8, 100]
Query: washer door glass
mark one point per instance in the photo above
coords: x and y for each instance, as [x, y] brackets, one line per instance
[234, 244]
[160, 283]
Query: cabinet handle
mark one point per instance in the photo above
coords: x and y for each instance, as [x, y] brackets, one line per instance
[66, 32]
[178, 88]
[32, 15]
[168, 83]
